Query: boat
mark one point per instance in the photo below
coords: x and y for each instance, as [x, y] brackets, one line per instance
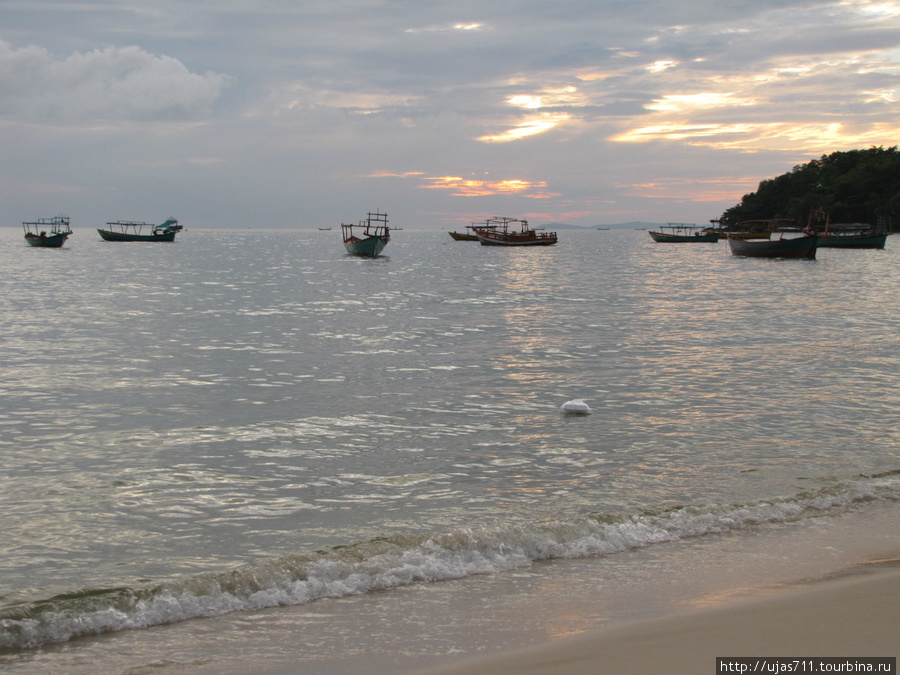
[128, 230]
[47, 232]
[763, 228]
[853, 240]
[793, 247]
[496, 231]
[855, 235]
[470, 234]
[369, 237]
[683, 233]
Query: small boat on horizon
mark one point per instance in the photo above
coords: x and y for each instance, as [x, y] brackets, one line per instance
[684, 233]
[496, 232]
[369, 237]
[47, 232]
[128, 230]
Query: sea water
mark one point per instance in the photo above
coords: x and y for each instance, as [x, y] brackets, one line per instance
[248, 426]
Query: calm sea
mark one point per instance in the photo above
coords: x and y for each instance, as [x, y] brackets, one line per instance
[251, 419]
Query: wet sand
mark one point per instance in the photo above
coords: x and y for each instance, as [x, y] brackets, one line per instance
[834, 618]
[826, 588]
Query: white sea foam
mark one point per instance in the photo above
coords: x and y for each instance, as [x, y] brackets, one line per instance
[387, 563]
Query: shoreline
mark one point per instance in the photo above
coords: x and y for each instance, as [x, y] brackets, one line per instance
[848, 617]
[824, 588]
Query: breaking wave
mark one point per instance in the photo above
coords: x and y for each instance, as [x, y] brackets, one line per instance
[390, 562]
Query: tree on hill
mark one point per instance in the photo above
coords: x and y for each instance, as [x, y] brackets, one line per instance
[857, 186]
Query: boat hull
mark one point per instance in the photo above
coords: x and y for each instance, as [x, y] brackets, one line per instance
[367, 248]
[684, 238]
[460, 236]
[52, 241]
[109, 235]
[527, 239]
[853, 241]
[799, 247]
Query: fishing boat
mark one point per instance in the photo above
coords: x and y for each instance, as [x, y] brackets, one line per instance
[763, 228]
[683, 233]
[853, 240]
[855, 235]
[792, 247]
[128, 230]
[369, 237]
[47, 232]
[496, 231]
[470, 234]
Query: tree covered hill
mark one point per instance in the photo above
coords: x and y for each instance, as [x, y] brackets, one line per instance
[857, 186]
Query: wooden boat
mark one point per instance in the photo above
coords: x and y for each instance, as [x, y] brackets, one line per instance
[47, 232]
[127, 230]
[464, 236]
[857, 240]
[854, 235]
[763, 228]
[795, 247]
[369, 238]
[682, 233]
[496, 232]
[470, 234]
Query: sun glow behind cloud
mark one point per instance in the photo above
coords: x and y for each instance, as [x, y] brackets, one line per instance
[692, 190]
[703, 100]
[528, 127]
[468, 187]
[541, 122]
[749, 137]
[758, 119]
[471, 26]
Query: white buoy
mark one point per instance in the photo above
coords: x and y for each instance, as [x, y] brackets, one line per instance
[575, 407]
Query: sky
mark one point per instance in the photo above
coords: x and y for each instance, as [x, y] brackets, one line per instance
[302, 114]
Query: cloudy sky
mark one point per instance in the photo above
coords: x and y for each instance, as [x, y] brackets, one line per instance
[302, 113]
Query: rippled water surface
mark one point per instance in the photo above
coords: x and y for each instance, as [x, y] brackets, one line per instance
[169, 411]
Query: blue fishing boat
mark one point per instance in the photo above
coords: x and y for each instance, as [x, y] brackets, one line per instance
[369, 237]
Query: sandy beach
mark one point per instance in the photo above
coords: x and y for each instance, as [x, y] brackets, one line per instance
[849, 617]
[826, 589]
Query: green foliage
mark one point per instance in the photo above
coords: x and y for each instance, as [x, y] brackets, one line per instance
[857, 186]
